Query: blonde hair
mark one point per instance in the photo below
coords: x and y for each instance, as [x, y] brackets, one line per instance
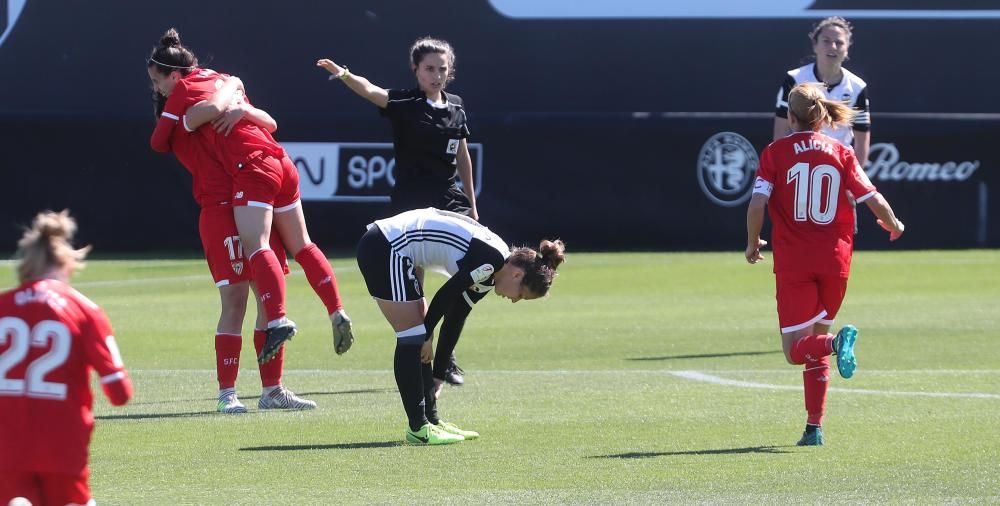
[812, 109]
[47, 245]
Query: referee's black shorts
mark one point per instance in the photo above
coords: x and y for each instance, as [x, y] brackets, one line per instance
[407, 196]
[388, 275]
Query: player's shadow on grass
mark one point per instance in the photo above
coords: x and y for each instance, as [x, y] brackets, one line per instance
[303, 394]
[724, 451]
[709, 355]
[337, 446]
[144, 416]
[307, 395]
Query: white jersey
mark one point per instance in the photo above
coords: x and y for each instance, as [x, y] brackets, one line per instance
[851, 89]
[438, 240]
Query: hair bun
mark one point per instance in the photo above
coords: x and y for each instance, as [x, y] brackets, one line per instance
[552, 253]
[171, 38]
[54, 225]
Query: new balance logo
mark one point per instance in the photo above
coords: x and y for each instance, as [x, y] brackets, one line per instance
[239, 195]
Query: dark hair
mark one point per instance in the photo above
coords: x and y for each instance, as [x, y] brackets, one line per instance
[836, 21]
[539, 266]
[427, 45]
[170, 55]
[159, 102]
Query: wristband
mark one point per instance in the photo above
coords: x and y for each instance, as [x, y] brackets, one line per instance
[342, 75]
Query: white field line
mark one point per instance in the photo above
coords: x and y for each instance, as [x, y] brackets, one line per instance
[575, 372]
[690, 375]
[206, 277]
[708, 378]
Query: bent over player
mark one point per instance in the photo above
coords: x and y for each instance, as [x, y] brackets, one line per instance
[477, 261]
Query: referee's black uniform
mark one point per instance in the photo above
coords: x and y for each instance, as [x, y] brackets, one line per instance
[426, 138]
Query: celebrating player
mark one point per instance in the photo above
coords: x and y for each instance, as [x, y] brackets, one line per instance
[477, 260]
[212, 188]
[803, 180]
[51, 336]
[265, 183]
[429, 137]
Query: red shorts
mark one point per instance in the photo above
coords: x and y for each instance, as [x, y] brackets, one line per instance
[223, 249]
[45, 488]
[267, 181]
[805, 298]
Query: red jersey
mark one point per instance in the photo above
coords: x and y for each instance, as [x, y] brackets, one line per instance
[51, 336]
[807, 176]
[245, 141]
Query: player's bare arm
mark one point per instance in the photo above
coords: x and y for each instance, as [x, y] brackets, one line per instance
[755, 222]
[214, 106]
[465, 175]
[886, 217]
[363, 87]
[225, 122]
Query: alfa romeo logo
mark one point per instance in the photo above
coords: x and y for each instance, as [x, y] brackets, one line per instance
[9, 12]
[726, 167]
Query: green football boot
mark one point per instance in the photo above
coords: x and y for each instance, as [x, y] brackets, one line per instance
[450, 427]
[431, 435]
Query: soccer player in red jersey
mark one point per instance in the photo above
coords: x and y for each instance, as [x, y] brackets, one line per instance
[51, 337]
[803, 180]
[265, 185]
[212, 188]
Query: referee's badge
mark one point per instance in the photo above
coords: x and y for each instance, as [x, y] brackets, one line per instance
[482, 273]
[452, 146]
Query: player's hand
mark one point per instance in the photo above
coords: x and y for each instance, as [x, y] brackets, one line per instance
[438, 386]
[330, 67]
[753, 252]
[225, 122]
[427, 351]
[894, 233]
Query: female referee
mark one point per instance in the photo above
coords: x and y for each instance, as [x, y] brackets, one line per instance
[429, 136]
[477, 260]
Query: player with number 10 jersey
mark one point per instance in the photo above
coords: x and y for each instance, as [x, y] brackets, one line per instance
[807, 176]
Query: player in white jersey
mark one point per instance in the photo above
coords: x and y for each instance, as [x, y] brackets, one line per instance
[477, 261]
[831, 39]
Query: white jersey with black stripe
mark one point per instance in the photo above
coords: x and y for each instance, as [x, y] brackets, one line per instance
[438, 240]
[851, 89]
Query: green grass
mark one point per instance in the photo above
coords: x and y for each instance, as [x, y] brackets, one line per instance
[576, 396]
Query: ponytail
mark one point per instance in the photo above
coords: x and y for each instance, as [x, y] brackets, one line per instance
[47, 246]
[813, 110]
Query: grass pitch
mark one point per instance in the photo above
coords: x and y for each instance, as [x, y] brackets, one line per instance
[641, 379]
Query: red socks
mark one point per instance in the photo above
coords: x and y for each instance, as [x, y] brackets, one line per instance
[320, 276]
[810, 348]
[227, 359]
[270, 372]
[270, 280]
[815, 379]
